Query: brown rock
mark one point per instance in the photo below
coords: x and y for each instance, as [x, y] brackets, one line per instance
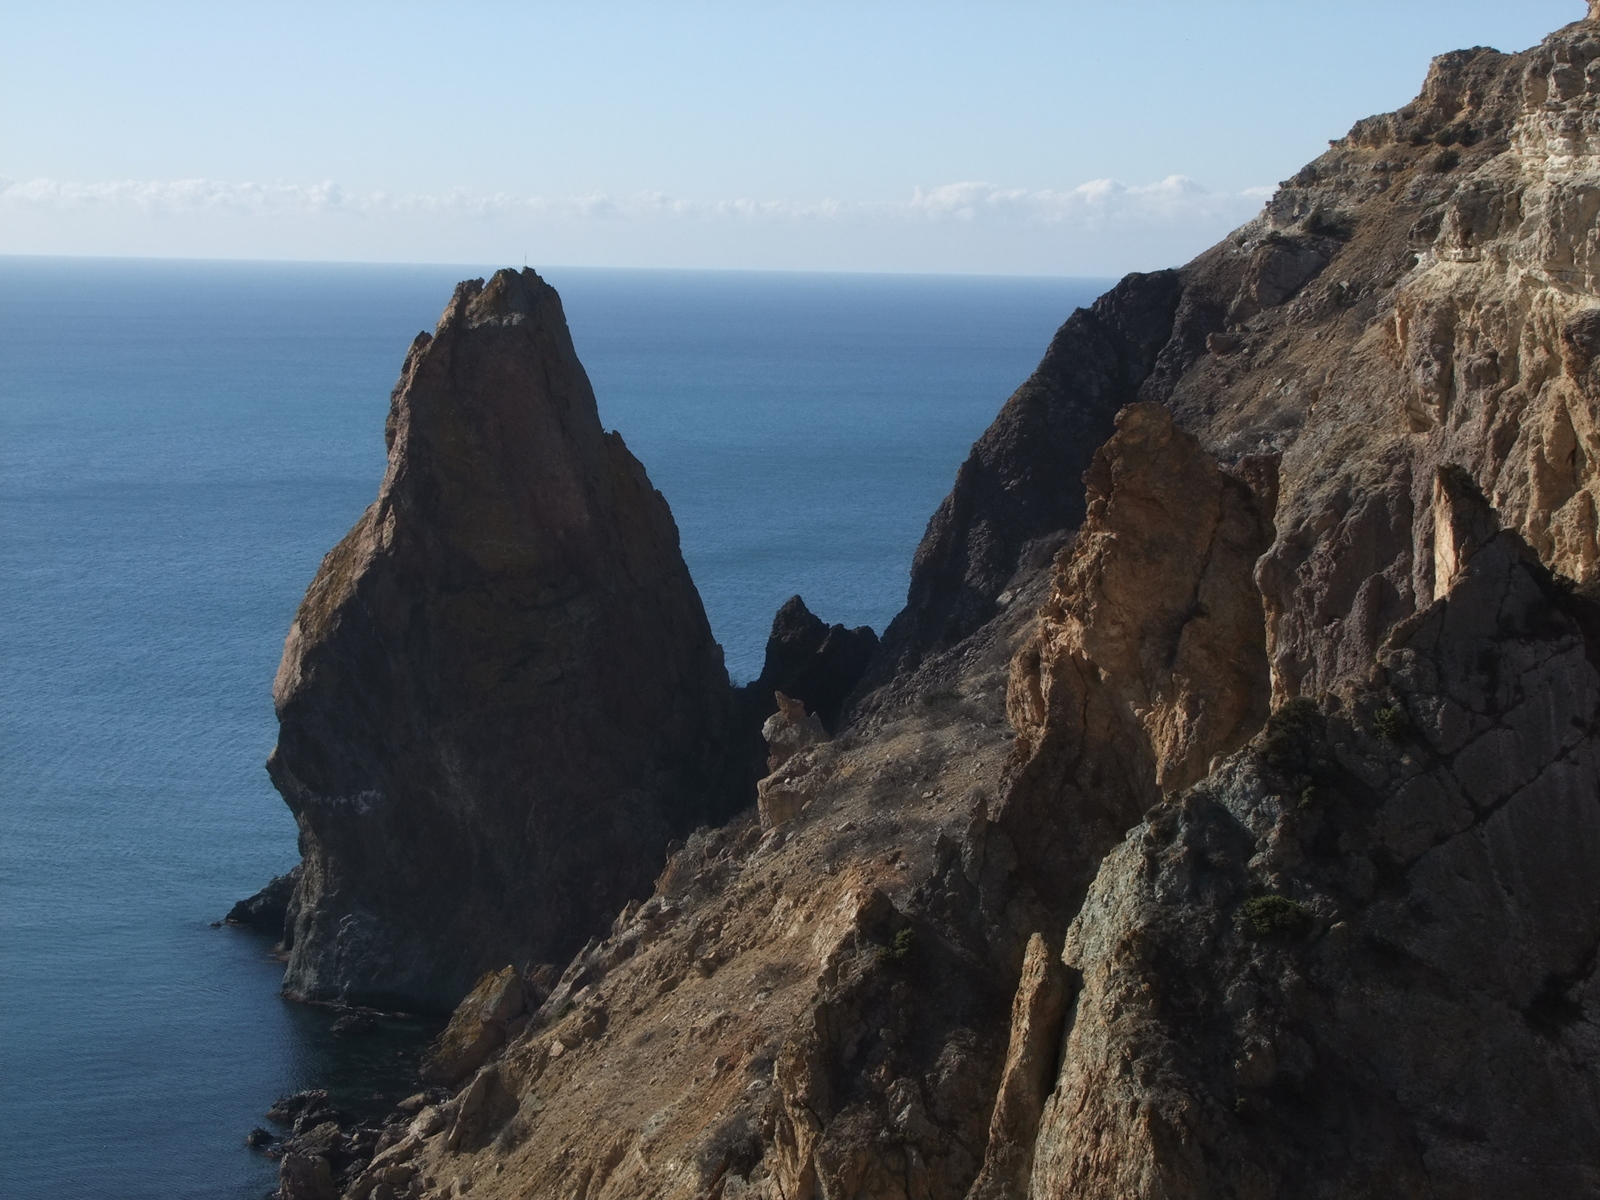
[305, 1177]
[790, 730]
[1349, 1040]
[784, 791]
[1149, 659]
[1352, 954]
[477, 1028]
[500, 697]
[1037, 1015]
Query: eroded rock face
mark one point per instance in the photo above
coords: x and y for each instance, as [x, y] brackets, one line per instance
[500, 698]
[1385, 986]
[1448, 325]
[1149, 658]
[1037, 1015]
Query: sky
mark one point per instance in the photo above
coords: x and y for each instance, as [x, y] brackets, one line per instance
[1079, 137]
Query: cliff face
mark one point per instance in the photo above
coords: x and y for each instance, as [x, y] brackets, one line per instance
[1225, 828]
[1016, 493]
[1380, 982]
[500, 698]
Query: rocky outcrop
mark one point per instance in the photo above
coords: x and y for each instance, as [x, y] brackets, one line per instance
[1285, 728]
[810, 661]
[1380, 983]
[268, 910]
[500, 698]
[1016, 493]
[1149, 656]
[483, 1022]
[789, 732]
[1037, 1015]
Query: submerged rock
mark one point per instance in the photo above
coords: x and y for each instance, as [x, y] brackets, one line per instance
[500, 698]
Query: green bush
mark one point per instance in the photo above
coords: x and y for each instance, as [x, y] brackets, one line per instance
[1277, 914]
[900, 947]
[1389, 723]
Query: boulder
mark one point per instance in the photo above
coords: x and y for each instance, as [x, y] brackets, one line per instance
[306, 1177]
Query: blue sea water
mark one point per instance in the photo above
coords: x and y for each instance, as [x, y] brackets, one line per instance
[179, 444]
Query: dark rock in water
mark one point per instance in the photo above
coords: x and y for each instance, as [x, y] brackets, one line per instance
[353, 1024]
[286, 1108]
[1020, 483]
[500, 698]
[259, 1138]
[808, 661]
[302, 1110]
[267, 909]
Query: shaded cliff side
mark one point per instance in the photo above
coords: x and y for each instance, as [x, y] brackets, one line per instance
[1224, 828]
[500, 698]
[1015, 494]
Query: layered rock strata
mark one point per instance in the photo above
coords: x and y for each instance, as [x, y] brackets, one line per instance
[500, 698]
[1285, 729]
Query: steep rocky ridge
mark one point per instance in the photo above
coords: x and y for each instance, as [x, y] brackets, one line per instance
[1016, 492]
[1226, 829]
[500, 682]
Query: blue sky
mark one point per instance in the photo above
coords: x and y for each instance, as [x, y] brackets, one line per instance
[1061, 138]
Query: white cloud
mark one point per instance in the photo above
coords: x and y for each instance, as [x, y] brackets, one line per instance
[1102, 226]
[1176, 197]
[1090, 205]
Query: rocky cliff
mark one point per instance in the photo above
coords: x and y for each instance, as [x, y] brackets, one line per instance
[1220, 817]
[500, 698]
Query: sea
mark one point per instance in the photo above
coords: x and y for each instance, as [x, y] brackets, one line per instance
[180, 443]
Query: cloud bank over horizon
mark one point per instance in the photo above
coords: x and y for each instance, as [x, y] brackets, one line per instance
[1101, 227]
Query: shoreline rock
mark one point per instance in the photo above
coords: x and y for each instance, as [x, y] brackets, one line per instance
[500, 698]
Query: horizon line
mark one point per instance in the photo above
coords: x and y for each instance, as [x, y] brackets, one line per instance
[376, 262]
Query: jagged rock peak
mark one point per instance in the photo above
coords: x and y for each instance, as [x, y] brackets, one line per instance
[500, 698]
